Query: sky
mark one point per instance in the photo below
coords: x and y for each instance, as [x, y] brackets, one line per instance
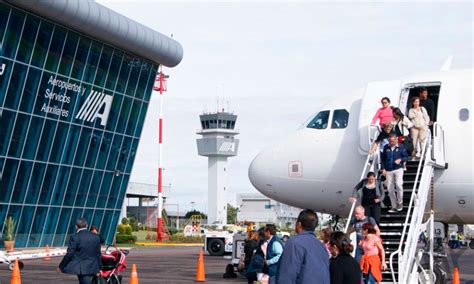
[275, 64]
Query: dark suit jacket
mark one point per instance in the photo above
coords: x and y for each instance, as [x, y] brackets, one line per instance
[83, 255]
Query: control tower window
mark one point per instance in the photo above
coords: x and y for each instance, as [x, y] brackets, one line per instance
[320, 121]
[340, 118]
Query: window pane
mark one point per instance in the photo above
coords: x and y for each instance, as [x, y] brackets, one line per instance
[71, 144]
[114, 191]
[7, 180]
[94, 148]
[106, 224]
[59, 142]
[111, 227]
[76, 214]
[63, 225]
[48, 185]
[4, 12]
[12, 37]
[55, 49]
[133, 78]
[19, 135]
[61, 185]
[150, 83]
[27, 39]
[50, 226]
[96, 220]
[69, 51]
[24, 226]
[94, 190]
[133, 117]
[114, 69]
[42, 44]
[34, 132]
[38, 226]
[22, 179]
[34, 188]
[4, 79]
[92, 62]
[124, 153]
[81, 57]
[81, 152]
[123, 190]
[124, 73]
[83, 188]
[103, 66]
[46, 140]
[104, 150]
[29, 92]
[104, 189]
[320, 121]
[340, 118]
[16, 86]
[141, 120]
[143, 80]
[124, 113]
[131, 157]
[114, 112]
[114, 153]
[72, 186]
[7, 119]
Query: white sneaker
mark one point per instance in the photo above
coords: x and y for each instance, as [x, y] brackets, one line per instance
[418, 155]
[399, 207]
[392, 210]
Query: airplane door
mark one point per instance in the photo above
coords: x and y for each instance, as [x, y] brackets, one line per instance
[374, 92]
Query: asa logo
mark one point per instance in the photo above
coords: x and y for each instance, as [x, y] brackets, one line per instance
[92, 107]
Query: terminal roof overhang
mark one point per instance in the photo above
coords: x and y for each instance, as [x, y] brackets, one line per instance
[101, 23]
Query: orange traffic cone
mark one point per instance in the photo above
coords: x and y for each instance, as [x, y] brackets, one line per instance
[134, 275]
[200, 273]
[456, 278]
[47, 251]
[16, 279]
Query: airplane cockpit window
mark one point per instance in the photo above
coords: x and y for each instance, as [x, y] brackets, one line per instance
[340, 118]
[320, 121]
[463, 114]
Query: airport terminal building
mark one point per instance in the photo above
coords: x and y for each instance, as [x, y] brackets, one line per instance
[75, 83]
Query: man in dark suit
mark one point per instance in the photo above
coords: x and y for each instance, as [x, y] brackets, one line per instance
[83, 256]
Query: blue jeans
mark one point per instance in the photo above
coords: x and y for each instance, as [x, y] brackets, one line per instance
[358, 254]
[369, 279]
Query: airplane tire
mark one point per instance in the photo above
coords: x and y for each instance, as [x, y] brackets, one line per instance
[20, 265]
[215, 247]
[439, 274]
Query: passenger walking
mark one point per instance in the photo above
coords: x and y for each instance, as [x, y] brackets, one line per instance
[274, 251]
[373, 261]
[402, 129]
[393, 158]
[359, 220]
[257, 263]
[428, 104]
[382, 138]
[83, 256]
[383, 114]
[370, 194]
[343, 268]
[95, 230]
[250, 247]
[420, 120]
[326, 237]
[305, 259]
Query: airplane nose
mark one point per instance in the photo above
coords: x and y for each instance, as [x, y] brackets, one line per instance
[260, 173]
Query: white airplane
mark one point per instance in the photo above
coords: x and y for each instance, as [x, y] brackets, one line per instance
[318, 165]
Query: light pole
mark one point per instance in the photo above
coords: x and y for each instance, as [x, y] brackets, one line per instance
[192, 205]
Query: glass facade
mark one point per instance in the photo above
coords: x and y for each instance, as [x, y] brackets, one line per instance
[71, 114]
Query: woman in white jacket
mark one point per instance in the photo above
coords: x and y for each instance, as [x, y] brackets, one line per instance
[420, 119]
[402, 126]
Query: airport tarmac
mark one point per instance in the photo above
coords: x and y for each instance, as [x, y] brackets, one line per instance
[177, 265]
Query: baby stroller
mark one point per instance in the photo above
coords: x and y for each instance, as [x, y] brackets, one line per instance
[113, 262]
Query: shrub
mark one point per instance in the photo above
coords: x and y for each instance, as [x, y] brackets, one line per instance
[125, 239]
[180, 238]
[124, 221]
[124, 229]
[134, 223]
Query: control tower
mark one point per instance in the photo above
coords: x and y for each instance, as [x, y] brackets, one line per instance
[217, 143]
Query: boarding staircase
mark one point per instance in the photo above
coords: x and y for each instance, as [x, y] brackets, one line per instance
[400, 231]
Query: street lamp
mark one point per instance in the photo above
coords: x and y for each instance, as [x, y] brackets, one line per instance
[192, 205]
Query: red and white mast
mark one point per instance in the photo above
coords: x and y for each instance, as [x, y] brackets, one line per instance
[161, 80]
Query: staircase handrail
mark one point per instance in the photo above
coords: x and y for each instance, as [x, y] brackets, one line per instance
[424, 163]
[371, 166]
